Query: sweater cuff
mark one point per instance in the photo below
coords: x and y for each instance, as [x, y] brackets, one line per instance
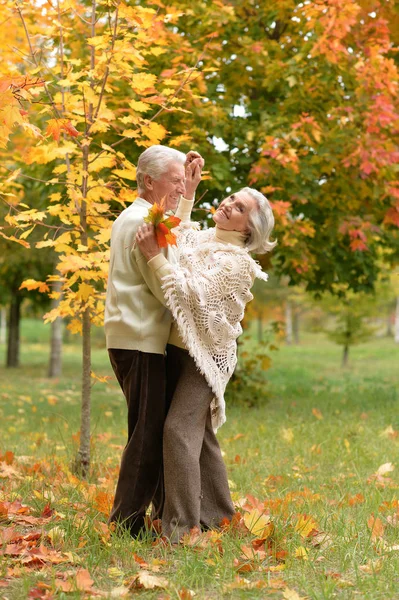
[160, 265]
[184, 209]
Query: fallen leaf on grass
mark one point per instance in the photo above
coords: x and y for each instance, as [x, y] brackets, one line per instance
[103, 502]
[393, 520]
[246, 584]
[80, 582]
[199, 540]
[356, 499]
[7, 457]
[321, 540]
[9, 472]
[380, 477]
[37, 557]
[147, 581]
[302, 553]
[317, 413]
[306, 526]
[376, 527]
[289, 594]
[118, 592]
[287, 434]
[41, 591]
[389, 432]
[372, 566]
[185, 594]
[259, 524]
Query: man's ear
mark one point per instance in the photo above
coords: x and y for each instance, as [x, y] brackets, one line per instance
[148, 182]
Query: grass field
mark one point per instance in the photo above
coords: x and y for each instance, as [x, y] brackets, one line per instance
[317, 457]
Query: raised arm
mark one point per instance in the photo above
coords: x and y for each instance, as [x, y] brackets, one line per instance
[194, 165]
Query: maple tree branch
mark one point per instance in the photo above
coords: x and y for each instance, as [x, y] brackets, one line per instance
[106, 74]
[32, 53]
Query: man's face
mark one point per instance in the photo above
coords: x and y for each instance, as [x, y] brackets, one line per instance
[170, 185]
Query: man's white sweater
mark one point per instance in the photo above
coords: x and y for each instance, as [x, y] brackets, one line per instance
[136, 317]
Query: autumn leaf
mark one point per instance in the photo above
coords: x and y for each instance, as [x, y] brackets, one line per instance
[32, 284]
[289, 594]
[376, 527]
[148, 581]
[306, 526]
[162, 225]
[56, 126]
[317, 413]
[258, 524]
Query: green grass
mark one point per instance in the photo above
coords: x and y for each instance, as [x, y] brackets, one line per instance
[311, 446]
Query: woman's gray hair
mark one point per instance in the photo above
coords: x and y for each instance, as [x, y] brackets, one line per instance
[155, 161]
[261, 223]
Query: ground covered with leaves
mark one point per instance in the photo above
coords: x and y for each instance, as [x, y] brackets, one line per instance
[313, 470]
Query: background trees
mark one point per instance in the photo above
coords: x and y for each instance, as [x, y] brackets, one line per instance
[297, 99]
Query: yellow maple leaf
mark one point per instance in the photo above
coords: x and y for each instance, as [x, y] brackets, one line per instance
[85, 291]
[32, 284]
[306, 525]
[258, 523]
[143, 81]
[301, 552]
[154, 131]
[75, 326]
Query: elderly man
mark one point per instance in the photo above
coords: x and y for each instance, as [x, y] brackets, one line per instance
[137, 327]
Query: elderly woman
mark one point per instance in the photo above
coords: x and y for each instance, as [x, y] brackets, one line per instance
[206, 291]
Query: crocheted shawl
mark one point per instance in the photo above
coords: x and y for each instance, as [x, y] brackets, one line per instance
[206, 292]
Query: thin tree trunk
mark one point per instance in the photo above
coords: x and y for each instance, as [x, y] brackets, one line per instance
[3, 325]
[397, 321]
[288, 322]
[389, 330]
[295, 326]
[84, 448]
[345, 357]
[260, 327]
[13, 331]
[55, 362]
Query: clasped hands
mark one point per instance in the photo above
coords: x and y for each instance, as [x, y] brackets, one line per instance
[145, 236]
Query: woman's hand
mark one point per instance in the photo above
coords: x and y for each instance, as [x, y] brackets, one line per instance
[146, 241]
[192, 155]
[193, 176]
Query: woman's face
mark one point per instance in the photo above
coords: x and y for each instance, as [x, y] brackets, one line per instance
[233, 212]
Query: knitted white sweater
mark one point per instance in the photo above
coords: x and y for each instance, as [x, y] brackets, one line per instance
[207, 291]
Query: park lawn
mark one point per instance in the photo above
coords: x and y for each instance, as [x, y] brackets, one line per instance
[308, 455]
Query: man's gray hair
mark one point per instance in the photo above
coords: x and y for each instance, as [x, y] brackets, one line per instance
[155, 161]
[261, 223]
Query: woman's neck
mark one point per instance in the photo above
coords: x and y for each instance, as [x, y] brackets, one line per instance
[230, 237]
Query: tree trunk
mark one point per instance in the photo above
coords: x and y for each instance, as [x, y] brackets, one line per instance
[345, 357]
[83, 459]
[260, 327]
[295, 326]
[3, 325]
[288, 322]
[397, 321]
[55, 363]
[389, 330]
[13, 331]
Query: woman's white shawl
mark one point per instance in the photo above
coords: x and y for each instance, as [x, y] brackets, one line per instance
[206, 292]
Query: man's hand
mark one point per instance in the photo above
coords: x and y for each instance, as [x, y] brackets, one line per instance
[193, 176]
[146, 241]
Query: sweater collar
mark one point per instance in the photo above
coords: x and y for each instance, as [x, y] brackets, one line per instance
[230, 237]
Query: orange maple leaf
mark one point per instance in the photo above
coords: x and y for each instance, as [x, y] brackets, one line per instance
[162, 225]
[55, 126]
